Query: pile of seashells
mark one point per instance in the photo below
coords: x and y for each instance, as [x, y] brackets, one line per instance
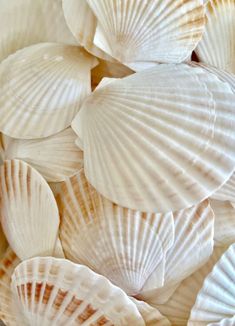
[117, 182]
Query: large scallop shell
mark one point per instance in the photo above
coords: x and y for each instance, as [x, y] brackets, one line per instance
[217, 46]
[177, 308]
[29, 214]
[216, 299]
[139, 33]
[50, 291]
[224, 222]
[41, 89]
[193, 245]
[124, 245]
[150, 139]
[27, 22]
[7, 265]
[55, 157]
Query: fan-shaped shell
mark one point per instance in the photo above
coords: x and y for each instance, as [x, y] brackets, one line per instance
[217, 46]
[50, 291]
[216, 299]
[177, 308]
[7, 265]
[151, 315]
[193, 245]
[29, 214]
[124, 245]
[159, 140]
[224, 222]
[27, 22]
[41, 89]
[55, 157]
[140, 33]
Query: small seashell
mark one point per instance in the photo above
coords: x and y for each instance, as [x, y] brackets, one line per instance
[150, 139]
[55, 292]
[216, 300]
[29, 214]
[151, 315]
[27, 22]
[7, 265]
[224, 222]
[193, 245]
[138, 33]
[124, 245]
[55, 157]
[177, 308]
[35, 98]
[217, 46]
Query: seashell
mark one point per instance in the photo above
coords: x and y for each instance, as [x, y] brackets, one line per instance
[50, 291]
[227, 191]
[163, 133]
[78, 14]
[216, 299]
[29, 214]
[151, 315]
[58, 251]
[224, 222]
[138, 33]
[7, 265]
[26, 22]
[55, 157]
[217, 46]
[177, 308]
[110, 70]
[124, 245]
[41, 89]
[193, 245]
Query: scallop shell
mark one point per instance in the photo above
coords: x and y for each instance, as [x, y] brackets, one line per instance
[216, 299]
[50, 291]
[224, 222]
[151, 315]
[55, 157]
[150, 139]
[140, 33]
[193, 245]
[110, 70]
[29, 214]
[7, 265]
[27, 22]
[217, 46]
[41, 89]
[177, 308]
[124, 245]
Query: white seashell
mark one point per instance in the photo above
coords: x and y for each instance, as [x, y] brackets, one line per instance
[217, 46]
[177, 308]
[55, 157]
[29, 214]
[124, 245]
[110, 70]
[216, 299]
[40, 96]
[78, 14]
[27, 22]
[159, 140]
[139, 33]
[193, 245]
[151, 316]
[224, 222]
[50, 291]
[7, 265]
